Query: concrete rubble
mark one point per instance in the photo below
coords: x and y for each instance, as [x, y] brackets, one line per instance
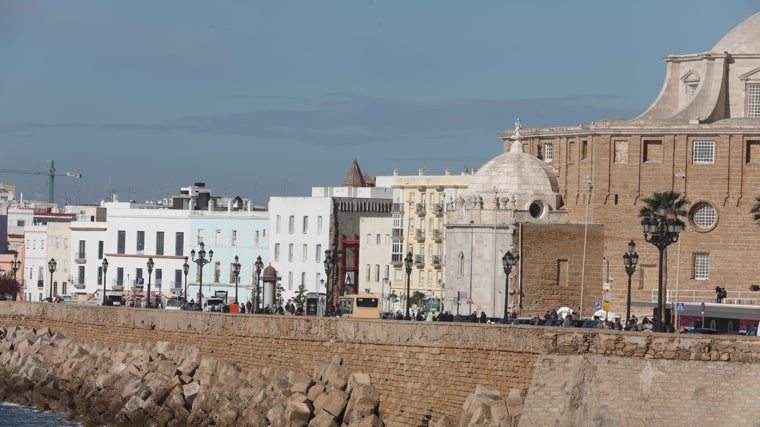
[164, 384]
[486, 408]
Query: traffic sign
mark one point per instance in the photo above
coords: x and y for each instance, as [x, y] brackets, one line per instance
[680, 306]
[702, 308]
[597, 305]
[469, 300]
[140, 282]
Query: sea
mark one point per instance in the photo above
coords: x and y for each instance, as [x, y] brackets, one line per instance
[13, 415]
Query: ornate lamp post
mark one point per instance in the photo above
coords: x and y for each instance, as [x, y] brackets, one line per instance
[236, 272]
[408, 260]
[661, 231]
[259, 265]
[507, 261]
[185, 270]
[329, 263]
[150, 272]
[15, 264]
[630, 259]
[51, 268]
[201, 261]
[105, 268]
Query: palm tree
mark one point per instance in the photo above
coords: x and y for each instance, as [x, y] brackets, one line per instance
[672, 201]
[756, 210]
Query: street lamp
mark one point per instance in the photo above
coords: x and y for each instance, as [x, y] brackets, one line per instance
[236, 272]
[201, 261]
[630, 259]
[661, 231]
[105, 268]
[15, 264]
[408, 262]
[185, 270]
[507, 261]
[329, 264]
[51, 268]
[150, 271]
[259, 265]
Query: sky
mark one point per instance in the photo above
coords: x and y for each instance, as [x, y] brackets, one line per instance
[271, 98]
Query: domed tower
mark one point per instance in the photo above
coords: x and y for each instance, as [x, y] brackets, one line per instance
[511, 189]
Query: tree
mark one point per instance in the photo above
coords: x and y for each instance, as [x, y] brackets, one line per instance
[300, 298]
[416, 297]
[756, 210]
[278, 294]
[673, 202]
[10, 286]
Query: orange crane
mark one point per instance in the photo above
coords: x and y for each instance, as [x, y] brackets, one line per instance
[51, 177]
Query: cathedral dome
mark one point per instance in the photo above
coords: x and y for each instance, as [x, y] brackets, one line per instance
[743, 39]
[515, 180]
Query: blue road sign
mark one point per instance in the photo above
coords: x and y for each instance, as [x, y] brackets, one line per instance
[680, 306]
[702, 308]
[597, 305]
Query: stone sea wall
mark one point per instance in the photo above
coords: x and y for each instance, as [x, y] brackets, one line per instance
[552, 376]
[419, 368]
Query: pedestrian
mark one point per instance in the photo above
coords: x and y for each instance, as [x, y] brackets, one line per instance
[483, 318]
[567, 321]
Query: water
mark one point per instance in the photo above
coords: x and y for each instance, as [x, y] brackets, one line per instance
[17, 416]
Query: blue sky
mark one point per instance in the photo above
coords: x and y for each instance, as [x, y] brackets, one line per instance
[262, 98]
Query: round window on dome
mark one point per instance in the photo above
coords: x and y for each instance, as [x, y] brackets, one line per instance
[704, 216]
[536, 209]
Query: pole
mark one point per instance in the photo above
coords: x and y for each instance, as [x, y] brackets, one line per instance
[628, 302]
[660, 314]
[506, 299]
[587, 181]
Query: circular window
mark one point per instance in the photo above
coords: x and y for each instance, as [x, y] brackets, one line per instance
[704, 216]
[536, 209]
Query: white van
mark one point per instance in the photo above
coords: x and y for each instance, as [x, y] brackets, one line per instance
[213, 304]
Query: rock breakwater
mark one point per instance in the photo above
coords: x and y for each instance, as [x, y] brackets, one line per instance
[166, 384]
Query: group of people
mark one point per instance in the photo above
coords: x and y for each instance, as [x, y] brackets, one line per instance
[289, 308]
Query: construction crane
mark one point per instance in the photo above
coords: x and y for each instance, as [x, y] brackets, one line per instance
[51, 177]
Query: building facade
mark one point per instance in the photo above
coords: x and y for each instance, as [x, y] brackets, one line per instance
[700, 138]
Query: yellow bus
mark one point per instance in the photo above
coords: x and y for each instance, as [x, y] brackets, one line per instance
[360, 306]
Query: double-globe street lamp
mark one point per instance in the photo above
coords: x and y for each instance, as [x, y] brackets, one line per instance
[201, 261]
[408, 260]
[236, 272]
[105, 268]
[51, 268]
[507, 261]
[661, 231]
[150, 272]
[630, 259]
[259, 266]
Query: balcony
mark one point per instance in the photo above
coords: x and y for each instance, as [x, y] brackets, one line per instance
[437, 261]
[419, 235]
[81, 258]
[79, 285]
[438, 209]
[397, 260]
[419, 261]
[397, 234]
[397, 208]
[438, 236]
[421, 209]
